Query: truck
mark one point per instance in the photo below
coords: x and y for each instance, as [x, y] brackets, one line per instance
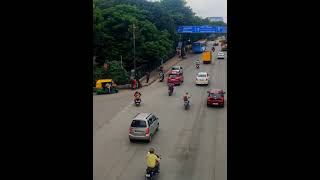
[206, 57]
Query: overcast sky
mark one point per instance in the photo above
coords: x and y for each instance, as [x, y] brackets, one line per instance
[209, 8]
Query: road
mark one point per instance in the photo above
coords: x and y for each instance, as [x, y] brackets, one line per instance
[192, 143]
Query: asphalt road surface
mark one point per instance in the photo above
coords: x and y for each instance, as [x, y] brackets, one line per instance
[192, 143]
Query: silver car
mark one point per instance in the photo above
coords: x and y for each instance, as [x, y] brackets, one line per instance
[143, 127]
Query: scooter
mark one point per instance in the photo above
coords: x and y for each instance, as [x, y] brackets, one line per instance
[186, 105]
[161, 76]
[170, 91]
[137, 101]
[150, 174]
[197, 66]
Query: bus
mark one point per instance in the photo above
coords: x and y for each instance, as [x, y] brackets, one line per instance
[199, 46]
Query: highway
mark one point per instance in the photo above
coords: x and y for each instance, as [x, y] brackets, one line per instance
[192, 143]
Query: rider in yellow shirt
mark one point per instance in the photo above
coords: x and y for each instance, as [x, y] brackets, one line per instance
[153, 160]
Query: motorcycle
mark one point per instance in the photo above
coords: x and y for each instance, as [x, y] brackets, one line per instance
[150, 173]
[161, 76]
[186, 105]
[137, 101]
[170, 91]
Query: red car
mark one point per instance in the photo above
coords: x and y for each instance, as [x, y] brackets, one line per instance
[175, 77]
[216, 98]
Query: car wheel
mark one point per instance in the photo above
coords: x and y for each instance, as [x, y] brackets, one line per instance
[157, 128]
[131, 140]
[208, 105]
[149, 140]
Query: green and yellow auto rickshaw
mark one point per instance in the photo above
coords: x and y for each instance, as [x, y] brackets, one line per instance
[106, 86]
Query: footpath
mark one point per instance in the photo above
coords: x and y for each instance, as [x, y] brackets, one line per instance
[154, 75]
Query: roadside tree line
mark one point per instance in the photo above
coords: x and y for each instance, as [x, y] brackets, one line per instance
[155, 32]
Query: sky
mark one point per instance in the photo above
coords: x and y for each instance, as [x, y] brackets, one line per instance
[209, 8]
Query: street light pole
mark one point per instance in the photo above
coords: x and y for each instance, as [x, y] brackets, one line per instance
[134, 49]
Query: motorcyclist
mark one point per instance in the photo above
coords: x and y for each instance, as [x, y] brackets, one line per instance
[137, 95]
[186, 97]
[161, 75]
[197, 62]
[153, 160]
[161, 69]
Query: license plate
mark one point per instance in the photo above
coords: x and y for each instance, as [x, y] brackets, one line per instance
[147, 175]
[215, 103]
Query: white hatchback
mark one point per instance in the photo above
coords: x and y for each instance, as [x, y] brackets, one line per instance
[220, 55]
[202, 78]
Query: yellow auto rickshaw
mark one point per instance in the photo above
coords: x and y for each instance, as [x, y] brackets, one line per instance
[106, 86]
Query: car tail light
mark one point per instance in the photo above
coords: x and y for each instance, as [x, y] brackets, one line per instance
[130, 130]
[147, 131]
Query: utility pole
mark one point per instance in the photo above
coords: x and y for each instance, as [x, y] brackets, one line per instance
[121, 61]
[134, 48]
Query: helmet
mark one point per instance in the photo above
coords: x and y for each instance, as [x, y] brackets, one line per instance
[151, 150]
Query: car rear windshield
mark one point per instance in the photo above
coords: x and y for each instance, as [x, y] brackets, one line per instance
[138, 123]
[215, 95]
[175, 68]
[172, 76]
[202, 75]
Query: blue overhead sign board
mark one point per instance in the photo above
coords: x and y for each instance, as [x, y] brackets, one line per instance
[202, 29]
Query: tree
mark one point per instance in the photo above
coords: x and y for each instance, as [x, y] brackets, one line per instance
[118, 74]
